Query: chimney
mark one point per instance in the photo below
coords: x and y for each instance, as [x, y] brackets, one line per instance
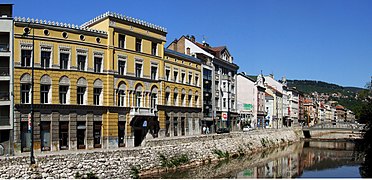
[174, 45]
[192, 39]
[188, 51]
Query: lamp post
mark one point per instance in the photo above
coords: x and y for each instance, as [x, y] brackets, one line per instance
[32, 158]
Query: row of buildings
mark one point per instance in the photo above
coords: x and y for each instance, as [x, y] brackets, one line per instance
[111, 82]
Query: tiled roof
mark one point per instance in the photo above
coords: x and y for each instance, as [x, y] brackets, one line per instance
[57, 24]
[125, 18]
[185, 56]
[340, 107]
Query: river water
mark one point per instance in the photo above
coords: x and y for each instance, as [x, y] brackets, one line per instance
[310, 159]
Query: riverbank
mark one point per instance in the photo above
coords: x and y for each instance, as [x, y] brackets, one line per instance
[122, 163]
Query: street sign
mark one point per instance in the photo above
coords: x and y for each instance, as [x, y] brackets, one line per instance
[224, 116]
[144, 124]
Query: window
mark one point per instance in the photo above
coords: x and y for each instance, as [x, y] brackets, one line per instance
[63, 94]
[175, 76]
[45, 59]
[64, 60]
[197, 101]
[121, 100]
[196, 80]
[81, 62]
[138, 98]
[96, 95]
[167, 101]
[154, 99]
[224, 103]
[25, 93]
[183, 77]
[224, 85]
[121, 41]
[190, 100]
[138, 44]
[167, 74]
[154, 49]
[190, 78]
[138, 70]
[154, 71]
[183, 99]
[121, 67]
[80, 95]
[97, 64]
[44, 92]
[26, 58]
[175, 98]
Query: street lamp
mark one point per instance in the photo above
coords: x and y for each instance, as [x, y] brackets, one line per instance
[26, 33]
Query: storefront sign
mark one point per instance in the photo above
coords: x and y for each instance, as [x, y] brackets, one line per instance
[224, 116]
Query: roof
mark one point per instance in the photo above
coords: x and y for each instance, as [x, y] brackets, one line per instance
[57, 24]
[181, 55]
[267, 94]
[308, 101]
[125, 18]
[340, 107]
[272, 88]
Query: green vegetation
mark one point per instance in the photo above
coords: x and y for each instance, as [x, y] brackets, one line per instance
[221, 154]
[173, 161]
[134, 172]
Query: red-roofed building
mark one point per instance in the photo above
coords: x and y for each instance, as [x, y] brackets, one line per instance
[341, 113]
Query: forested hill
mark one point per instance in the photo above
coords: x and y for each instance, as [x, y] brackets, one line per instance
[309, 86]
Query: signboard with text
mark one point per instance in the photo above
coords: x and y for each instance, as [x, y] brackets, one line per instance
[224, 116]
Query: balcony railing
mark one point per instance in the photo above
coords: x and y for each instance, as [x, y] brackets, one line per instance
[143, 111]
[4, 96]
[4, 47]
[4, 71]
[4, 121]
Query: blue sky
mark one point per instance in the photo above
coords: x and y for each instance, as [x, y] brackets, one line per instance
[326, 40]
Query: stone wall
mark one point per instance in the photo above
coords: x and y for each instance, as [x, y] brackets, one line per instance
[117, 163]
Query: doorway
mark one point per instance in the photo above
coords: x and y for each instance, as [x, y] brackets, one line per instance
[45, 135]
[81, 135]
[97, 134]
[63, 135]
[121, 133]
[25, 137]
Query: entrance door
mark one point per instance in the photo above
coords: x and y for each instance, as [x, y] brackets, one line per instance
[121, 133]
[45, 135]
[63, 135]
[80, 135]
[97, 134]
[25, 137]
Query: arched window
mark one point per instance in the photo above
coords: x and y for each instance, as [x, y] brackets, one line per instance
[183, 97]
[97, 92]
[64, 90]
[138, 96]
[45, 87]
[25, 88]
[167, 96]
[175, 97]
[81, 91]
[189, 98]
[154, 97]
[121, 94]
[196, 99]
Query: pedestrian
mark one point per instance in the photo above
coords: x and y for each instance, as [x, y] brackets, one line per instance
[207, 130]
[204, 129]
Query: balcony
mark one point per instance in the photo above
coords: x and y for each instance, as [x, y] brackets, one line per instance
[4, 71]
[4, 121]
[144, 111]
[4, 47]
[4, 96]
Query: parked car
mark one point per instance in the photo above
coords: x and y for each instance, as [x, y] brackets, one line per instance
[222, 130]
[247, 128]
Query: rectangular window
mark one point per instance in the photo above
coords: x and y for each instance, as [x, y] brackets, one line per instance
[45, 59]
[44, 91]
[63, 60]
[224, 103]
[138, 99]
[196, 80]
[154, 71]
[138, 45]
[121, 67]
[175, 76]
[121, 41]
[96, 96]
[154, 48]
[138, 70]
[63, 94]
[196, 101]
[97, 64]
[81, 62]
[121, 101]
[80, 95]
[25, 93]
[183, 77]
[167, 74]
[26, 58]
[190, 78]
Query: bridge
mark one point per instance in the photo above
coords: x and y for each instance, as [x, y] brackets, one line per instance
[334, 130]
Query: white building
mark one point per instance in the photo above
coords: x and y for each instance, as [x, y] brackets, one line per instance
[247, 99]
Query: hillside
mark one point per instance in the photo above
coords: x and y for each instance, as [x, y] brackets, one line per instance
[346, 96]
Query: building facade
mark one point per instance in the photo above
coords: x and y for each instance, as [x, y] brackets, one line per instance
[6, 79]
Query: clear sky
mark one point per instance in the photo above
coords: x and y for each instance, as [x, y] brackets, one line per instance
[326, 40]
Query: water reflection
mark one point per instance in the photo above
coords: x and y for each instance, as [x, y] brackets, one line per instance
[303, 159]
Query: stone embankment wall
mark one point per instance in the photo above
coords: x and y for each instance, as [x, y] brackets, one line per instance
[120, 163]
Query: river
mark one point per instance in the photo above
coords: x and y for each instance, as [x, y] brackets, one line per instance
[310, 159]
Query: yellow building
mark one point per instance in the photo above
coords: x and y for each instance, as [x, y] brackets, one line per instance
[99, 85]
